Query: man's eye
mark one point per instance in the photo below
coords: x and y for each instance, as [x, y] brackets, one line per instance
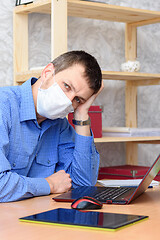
[66, 86]
[77, 100]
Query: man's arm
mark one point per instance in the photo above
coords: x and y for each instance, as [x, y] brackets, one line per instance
[86, 162]
[16, 187]
[81, 161]
[77, 156]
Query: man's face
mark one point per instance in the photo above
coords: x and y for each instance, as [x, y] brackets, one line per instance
[74, 85]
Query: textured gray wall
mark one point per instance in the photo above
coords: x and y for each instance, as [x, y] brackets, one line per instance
[105, 40]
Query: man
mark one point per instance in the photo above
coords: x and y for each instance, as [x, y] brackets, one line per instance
[40, 153]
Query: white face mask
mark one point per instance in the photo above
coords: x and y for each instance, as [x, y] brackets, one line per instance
[52, 103]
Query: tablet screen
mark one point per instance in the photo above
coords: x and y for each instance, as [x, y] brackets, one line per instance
[89, 219]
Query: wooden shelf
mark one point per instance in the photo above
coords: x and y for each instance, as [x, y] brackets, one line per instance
[43, 6]
[145, 140]
[136, 78]
[21, 77]
[96, 10]
[103, 11]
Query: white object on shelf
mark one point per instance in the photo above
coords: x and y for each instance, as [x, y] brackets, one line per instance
[130, 66]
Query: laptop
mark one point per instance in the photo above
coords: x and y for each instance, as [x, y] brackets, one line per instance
[113, 195]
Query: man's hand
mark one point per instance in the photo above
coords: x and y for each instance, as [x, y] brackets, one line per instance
[81, 113]
[59, 182]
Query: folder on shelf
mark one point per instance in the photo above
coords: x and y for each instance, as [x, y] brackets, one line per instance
[123, 172]
[95, 114]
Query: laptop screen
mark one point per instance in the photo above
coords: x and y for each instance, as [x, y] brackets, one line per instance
[150, 175]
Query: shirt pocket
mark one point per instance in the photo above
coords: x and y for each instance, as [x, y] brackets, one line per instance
[19, 161]
[47, 161]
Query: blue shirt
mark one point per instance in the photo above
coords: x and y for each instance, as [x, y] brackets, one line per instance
[30, 152]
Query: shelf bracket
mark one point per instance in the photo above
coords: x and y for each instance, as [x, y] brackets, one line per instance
[20, 38]
[130, 42]
[58, 28]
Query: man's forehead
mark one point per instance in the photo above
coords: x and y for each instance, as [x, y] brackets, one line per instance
[82, 89]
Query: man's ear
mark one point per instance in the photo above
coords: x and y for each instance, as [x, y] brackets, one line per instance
[47, 73]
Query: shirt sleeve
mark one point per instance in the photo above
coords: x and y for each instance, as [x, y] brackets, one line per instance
[13, 186]
[78, 157]
[16, 187]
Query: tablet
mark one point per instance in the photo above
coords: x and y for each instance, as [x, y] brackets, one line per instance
[85, 219]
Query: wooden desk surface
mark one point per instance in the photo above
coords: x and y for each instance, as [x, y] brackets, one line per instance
[147, 204]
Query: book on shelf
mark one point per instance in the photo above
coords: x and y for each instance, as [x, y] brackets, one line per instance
[130, 132]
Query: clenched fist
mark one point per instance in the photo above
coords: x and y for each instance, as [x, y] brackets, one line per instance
[59, 182]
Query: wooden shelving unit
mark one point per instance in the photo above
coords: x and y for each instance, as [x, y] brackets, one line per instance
[59, 11]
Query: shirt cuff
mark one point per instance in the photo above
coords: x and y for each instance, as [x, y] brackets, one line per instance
[41, 186]
[83, 143]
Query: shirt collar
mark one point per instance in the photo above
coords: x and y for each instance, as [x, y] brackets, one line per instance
[27, 107]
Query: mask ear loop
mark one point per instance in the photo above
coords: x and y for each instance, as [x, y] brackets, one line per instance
[40, 85]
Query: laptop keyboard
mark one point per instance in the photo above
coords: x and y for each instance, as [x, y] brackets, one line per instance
[111, 193]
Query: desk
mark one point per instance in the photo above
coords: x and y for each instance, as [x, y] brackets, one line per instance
[12, 229]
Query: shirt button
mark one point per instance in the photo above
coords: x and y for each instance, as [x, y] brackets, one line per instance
[13, 164]
[49, 161]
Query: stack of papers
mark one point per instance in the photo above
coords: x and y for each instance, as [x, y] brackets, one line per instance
[130, 132]
[125, 182]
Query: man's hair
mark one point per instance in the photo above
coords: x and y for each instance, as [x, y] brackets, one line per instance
[92, 71]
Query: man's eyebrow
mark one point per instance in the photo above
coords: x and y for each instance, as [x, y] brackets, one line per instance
[72, 87]
[75, 91]
[84, 100]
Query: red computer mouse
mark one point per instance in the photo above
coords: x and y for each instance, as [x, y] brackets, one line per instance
[84, 203]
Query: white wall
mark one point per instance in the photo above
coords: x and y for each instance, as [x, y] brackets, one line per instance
[105, 40]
